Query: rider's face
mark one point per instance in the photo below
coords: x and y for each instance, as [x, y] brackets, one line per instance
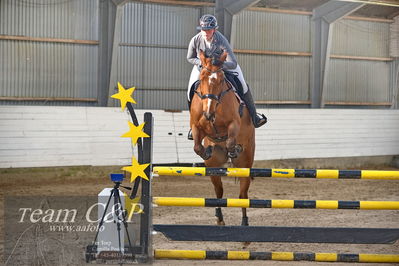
[207, 34]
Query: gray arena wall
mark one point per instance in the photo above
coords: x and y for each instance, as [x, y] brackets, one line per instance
[56, 59]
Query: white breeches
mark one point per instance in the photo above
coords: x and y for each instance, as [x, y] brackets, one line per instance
[195, 74]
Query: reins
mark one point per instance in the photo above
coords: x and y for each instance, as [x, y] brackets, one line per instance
[218, 98]
[212, 72]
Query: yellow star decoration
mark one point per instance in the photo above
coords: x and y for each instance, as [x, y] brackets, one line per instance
[133, 206]
[135, 132]
[136, 170]
[125, 96]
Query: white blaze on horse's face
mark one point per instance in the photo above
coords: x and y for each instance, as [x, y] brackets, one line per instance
[208, 109]
[211, 77]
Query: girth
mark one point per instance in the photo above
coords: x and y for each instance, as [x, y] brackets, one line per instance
[218, 139]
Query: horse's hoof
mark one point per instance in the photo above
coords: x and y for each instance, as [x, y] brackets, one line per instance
[236, 151]
[232, 155]
[220, 222]
[238, 148]
[244, 221]
[207, 153]
[246, 244]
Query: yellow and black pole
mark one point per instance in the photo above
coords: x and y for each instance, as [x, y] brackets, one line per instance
[279, 256]
[276, 173]
[285, 204]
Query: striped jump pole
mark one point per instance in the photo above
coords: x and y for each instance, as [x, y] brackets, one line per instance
[288, 204]
[280, 256]
[276, 173]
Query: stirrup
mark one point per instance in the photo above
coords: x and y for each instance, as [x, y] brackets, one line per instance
[190, 135]
[260, 120]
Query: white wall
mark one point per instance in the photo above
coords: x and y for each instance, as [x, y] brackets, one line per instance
[35, 136]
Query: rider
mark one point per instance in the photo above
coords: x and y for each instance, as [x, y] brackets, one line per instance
[210, 40]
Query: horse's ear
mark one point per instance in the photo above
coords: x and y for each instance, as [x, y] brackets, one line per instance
[202, 57]
[223, 56]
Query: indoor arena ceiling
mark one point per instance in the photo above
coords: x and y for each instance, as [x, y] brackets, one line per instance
[387, 9]
[376, 8]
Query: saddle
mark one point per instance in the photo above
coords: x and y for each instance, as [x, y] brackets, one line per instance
[232, 78]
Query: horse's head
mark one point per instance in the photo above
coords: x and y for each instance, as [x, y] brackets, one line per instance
[212, 81]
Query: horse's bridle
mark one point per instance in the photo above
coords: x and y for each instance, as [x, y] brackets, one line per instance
[218, 98]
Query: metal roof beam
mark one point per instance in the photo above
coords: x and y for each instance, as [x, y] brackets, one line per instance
[323, 18]
[113, 38]
[334, 10]
[120, 2]
[226, 9]
[106, 19]
[394, 81]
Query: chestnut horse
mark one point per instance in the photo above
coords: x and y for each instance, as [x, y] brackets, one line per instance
[215, 119]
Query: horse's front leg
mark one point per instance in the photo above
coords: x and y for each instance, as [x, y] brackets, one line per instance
[232, 132]
[219, 158]
[244, 187]
[199, 149]
[218, 186]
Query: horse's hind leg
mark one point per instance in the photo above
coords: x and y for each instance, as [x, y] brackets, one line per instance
[218, 186]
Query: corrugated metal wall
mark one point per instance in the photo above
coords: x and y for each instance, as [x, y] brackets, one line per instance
[260, 30]
[50, 18]
[360, 38]
[152, 53]
[49, 69]
[271, 77]
[359, 80]
[394, 38]
[274, 77]
[33, 69]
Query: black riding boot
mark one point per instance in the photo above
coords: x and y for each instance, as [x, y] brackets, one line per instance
[258, 119]
[190, 134]
[192, 91]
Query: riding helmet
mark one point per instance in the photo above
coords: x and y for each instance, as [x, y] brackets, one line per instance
[208, 22]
